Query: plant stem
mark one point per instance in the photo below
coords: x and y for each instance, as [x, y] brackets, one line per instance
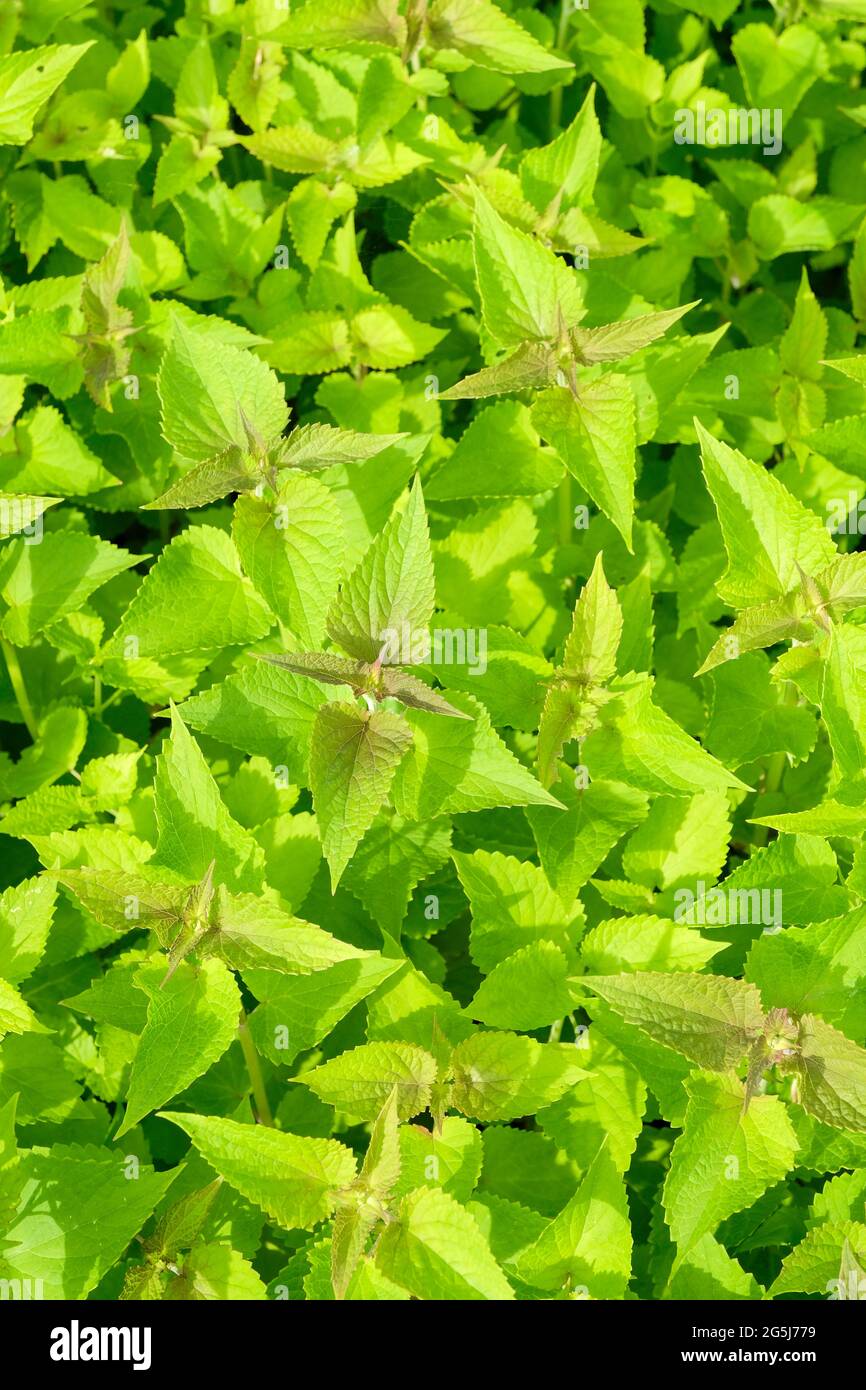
[776, 766]
[16, 677]
[97, 696]
[254, 1071]
[556, 94]
[564, 511]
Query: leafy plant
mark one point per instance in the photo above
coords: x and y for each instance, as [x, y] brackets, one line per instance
[433, 625]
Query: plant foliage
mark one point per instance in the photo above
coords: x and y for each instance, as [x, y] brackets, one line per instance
[433, 631]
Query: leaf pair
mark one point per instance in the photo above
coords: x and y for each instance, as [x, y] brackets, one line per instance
[490, 1076]
[382, 609]
[225, 414]
[578, 689]
[716, 1022]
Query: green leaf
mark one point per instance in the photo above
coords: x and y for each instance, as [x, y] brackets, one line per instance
[612, 44]
[313, 447]
[16, 1015]
[291, 548]
[614, 341]
[586, 1249]
[205, 396]
[27, 80]
[526, 291]
[11, 1175]
[392, 859]
[749, 718]
[801, 349]
[392, 590]
[588, 662]
[295, 1012]
[21, 513]
[645, 943]
[769, 535]
[709, 1018]
[513, 906]
[254, 83]
[216, 1272]
[725, 1158]
[191, 1019]
[194, 827]
[362, 1201]
[818, 969]
[778, 69]
[41, 583]
[359, 1082]
[815, 1265]
[77, 1214]
[527, 990]
[123, 901]
[530, 365]
[435, 1250]
[502, 432]
[842, 697]
[565, 171]
[39, 345]
[641, 745]
[49, 457]
[250, 933]
[31, 1067]
[606, 1106]
[261, 710]
[779, 224]
[414, 694]
[194, 599]
[681, 840]
[572, 845]
[293, 1178]
[594, 434]
[354, 757]
[708, 1274]
[344, 21]
[481, 32]
[387, 336]
[832, 1075]
[501, 1076]
[208, 481]
[26, 915]
[452, 1155]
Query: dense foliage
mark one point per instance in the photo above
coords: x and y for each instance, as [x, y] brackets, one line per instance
[434, 650]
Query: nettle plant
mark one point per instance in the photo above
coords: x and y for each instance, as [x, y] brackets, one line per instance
[432, 690]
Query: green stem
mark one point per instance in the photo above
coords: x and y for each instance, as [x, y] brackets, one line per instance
[776, 766]
[254, 1070]
[97, 696]
[16, 677]
[565, 511]
[556, 94]
[116, 1121]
